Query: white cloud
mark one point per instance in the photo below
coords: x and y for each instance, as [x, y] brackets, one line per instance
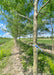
[7, 35]
[3, 27]
[1, 24]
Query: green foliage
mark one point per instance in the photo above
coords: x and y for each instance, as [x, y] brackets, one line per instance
[4, 53]
[12, 26]
[3, 63]
[27, 60]
[28, 28]
[51, 65]
[5, 49]
[15, 7]
[24, 65]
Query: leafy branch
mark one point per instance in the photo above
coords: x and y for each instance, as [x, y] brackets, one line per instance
[43, 6]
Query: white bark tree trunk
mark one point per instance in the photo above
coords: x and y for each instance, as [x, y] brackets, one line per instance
[35, 38]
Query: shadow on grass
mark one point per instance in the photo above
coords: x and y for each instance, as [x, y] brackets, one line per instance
[27, 57]
[45, 46]
[26, 53]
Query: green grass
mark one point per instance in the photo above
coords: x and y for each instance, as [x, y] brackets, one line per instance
[27, 60]
[5, 52]
[44, 41]
[28, 50]
[7, 46]
[43, 63]
[48, 42]
[3, 63]
[3, 40]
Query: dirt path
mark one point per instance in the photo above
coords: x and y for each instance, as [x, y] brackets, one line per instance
[14, 66]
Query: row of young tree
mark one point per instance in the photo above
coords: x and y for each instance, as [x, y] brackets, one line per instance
[20, 20]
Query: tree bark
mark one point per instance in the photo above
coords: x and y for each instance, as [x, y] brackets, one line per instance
[35, 38]
[19, 40]
[52, 34]
[16, 47]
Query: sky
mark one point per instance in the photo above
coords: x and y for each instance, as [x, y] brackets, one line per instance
[2, 28]
[7, 34]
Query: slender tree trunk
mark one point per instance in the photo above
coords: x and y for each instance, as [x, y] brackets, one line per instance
[30, 36]
[52, 34]
[15, 39]
[19, 41]
[34, 39]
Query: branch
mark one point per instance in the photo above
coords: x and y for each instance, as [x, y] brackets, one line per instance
[43, 6]
[24, 16]
[31, 1]
[48, 51]
[20, 14]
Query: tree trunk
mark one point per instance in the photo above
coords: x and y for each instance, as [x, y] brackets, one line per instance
[35, 38]
[19, 41]
[16, 47]
[52, 34]
[30, 36]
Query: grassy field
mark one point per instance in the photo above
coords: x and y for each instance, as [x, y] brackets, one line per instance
[3, 40]
[5, 51]
[44, 41]
[45, 61]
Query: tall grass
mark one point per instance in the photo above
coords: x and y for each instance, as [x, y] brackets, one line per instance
[4, 53]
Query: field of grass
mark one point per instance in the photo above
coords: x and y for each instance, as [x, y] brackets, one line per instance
[3, 40]
[48, 42]
[45, 61]
[5, 51]
[44, 41]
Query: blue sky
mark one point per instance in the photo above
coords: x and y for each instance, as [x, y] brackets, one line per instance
[3, 27]
[7, 34]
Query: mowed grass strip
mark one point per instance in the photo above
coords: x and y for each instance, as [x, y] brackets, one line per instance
[46, 41]
[43, 41]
